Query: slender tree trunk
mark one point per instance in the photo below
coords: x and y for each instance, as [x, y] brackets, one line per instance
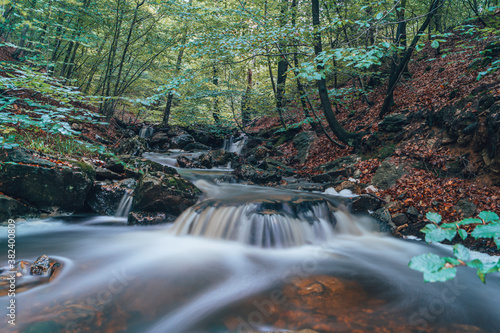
[245, 101]
[215, 81]
[300, 87]
[344, 136]
[22, 43]
[106, 87]
[170, 97]
[282, 67]
[125, 48]
[269, 66]
[396, 74]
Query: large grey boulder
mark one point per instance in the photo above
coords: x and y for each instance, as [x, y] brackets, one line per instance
[304, 143]
[387, 175]
[181, 141]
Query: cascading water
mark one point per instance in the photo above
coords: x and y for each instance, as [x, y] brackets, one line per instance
[280, 219]
[235, 145]
[146, 132]
[125, 205]
[245, 259]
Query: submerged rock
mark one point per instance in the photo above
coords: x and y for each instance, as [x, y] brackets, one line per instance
[28, 275]
[143, 218]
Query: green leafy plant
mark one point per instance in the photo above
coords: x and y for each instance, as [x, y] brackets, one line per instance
[436, 268]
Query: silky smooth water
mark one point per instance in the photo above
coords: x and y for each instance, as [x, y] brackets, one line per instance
[218, 269]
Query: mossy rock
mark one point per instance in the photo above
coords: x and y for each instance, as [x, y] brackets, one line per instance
[386, 151]
[160, 192]
[46, 187]
[142, 166]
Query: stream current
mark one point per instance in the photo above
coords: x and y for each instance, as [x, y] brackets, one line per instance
[243, 259]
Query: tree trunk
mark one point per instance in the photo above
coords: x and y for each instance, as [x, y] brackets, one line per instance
[282, 67]
[245, 101]
[344, 136]
[170, 97]
[215, 81]
[396, 74]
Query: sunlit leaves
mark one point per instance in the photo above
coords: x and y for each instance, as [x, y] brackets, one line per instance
[489, 217]
[433, 233]
[435, 268]
[433, 217]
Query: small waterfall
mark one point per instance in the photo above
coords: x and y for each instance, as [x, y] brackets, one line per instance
[272, 223]
[146, 132]
[233, 145]
[125, 205]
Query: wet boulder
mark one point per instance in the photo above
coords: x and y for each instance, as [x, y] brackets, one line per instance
[157, 192]
[365, 204]
[44, 184]
[134, 146]
[159, 139]
[185, 162]
[105, 197]
[135, 167]
[196, 146]
[11, 208]
[181, 141]
[278, 167]
[256, 175]
[221, 157]
[383, 216]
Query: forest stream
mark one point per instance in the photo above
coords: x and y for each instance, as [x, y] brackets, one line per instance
[243, 259]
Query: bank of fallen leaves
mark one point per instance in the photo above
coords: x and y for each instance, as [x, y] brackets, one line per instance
[437, 80]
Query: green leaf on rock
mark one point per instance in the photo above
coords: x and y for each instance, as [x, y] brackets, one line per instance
[433, 233]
